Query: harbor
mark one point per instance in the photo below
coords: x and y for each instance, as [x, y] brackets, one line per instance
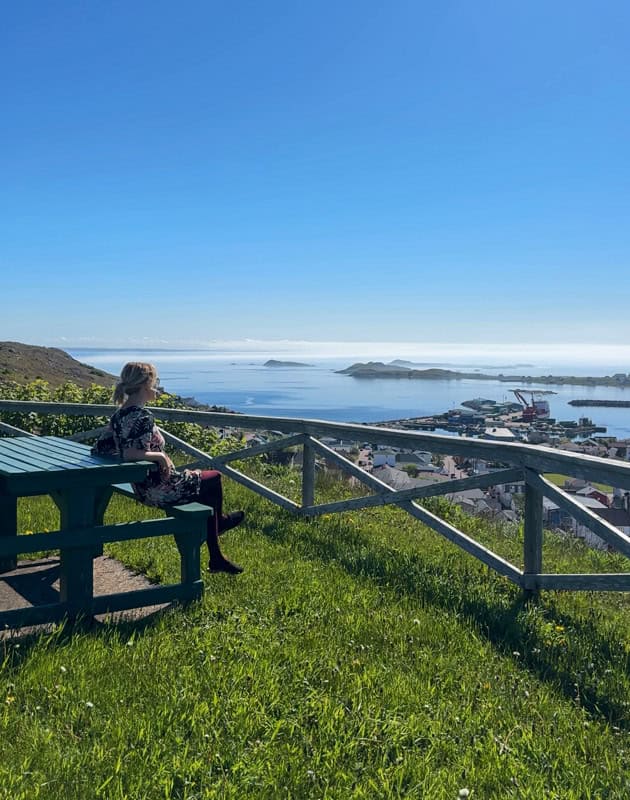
[528, 420]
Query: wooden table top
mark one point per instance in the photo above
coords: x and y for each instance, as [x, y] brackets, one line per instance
[35, 464]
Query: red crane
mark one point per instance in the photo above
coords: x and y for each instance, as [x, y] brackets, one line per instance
[536, 408]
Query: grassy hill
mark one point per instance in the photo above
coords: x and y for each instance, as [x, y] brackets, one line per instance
[23, 363]
[359, 656]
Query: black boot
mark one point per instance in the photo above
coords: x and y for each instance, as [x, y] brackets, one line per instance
[223, 565]
[231, 521]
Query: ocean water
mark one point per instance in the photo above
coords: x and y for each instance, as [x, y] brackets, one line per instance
[238, 380]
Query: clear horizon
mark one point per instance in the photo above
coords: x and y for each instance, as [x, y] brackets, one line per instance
[440, 352]
[451, 173]
[238, 379]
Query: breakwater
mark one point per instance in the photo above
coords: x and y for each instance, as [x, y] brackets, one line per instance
[601, 403]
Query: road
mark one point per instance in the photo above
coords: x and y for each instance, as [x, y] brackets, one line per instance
[451, 469]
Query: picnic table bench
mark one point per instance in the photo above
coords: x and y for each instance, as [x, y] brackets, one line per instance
[81, 486]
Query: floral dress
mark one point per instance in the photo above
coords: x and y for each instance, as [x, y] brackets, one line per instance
[134, 427]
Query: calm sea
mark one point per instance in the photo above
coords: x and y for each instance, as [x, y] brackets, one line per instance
[238, 380]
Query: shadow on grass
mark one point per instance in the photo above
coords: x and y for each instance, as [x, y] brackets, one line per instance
[575, 654]
[16, 645]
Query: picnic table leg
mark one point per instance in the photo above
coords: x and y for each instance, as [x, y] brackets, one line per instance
[76, 575]
[8, 527]
[189, 546]
[103, 496]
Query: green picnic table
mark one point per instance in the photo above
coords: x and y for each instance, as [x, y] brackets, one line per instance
[81, 486]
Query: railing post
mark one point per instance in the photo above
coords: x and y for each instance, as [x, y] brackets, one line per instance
[308, 474]
[533, 531]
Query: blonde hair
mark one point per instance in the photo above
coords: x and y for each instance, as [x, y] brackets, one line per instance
[132, 378]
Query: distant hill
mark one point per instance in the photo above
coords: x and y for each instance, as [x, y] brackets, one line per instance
[23, 363]
[375, 369]
[273, 363]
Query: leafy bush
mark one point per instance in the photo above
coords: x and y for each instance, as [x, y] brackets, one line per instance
[48, 424]
[54, 424]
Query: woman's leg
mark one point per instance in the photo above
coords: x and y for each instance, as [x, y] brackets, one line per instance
[212, 490]
[211, 494]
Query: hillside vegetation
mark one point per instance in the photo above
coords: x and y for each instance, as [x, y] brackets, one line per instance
[23, 363]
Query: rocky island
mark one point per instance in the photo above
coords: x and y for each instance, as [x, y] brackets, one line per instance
[401, 362]
[377, 369]
[273, 363]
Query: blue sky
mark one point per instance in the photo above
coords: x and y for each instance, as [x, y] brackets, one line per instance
[405, 171]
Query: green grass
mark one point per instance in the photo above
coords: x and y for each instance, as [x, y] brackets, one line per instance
[559, 480]
[359, 656]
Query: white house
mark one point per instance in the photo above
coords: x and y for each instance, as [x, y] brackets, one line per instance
[584, 532]
[381, 457]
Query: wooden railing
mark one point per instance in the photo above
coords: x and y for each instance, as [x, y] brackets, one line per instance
[520, 462]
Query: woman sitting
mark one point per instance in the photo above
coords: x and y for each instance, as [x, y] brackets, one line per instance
[133, 434]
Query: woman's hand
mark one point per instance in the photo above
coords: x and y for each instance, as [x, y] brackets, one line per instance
[157, 456]
[166, 465]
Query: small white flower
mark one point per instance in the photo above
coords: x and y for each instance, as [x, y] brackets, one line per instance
[463, 793]
[89, 704]
[62, 669]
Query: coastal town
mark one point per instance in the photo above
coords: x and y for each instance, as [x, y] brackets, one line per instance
[527, 421]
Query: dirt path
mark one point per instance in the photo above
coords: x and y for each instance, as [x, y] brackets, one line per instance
[37, 582]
